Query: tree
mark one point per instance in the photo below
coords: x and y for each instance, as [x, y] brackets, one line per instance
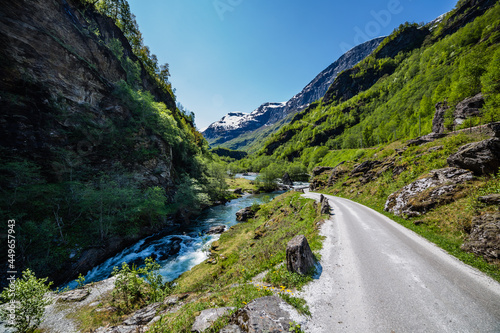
[27, 294]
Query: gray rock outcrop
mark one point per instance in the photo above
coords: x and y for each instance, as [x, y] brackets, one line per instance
[218, 229]
[299, 257]
[481, 157]
[208, 317]
[265, 314]
[245, 214]
[467, 108]
[438, 120]
[417, 198]
[484, 239]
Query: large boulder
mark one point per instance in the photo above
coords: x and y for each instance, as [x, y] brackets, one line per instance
[417, 198]
[325, 205]
[245, 214]
[481, 157]
[467, 108]
[265, 314]
[286, 180]
[299, 257]
[218, 229]
[208, 317]
[484, 239]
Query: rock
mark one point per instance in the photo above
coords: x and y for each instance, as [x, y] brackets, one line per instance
[286, 180]
[245, 214]
[174, 299]
[484, 239]
[491, 199]
[337, 172]
[425, 139]
[265, 314]
[481, 157]
[319, 170]
[469, 107]
[208, 317]
[231, 329]
[437, 187]
[438, 120]
[364, 168]
[76, 295]
[398, 170]
[218, 229]
[238, 190]
[299, 257]
[142, 316]
[120, 329]
[325, 205]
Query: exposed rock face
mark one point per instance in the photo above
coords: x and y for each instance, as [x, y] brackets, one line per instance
[490, 199]
[319, 170]
[208, 317]
[425, 193]
[236, 124]
[469, 107]
[245, 214]
[143, 316]
[325, 205]
[480, 157]
[484, 240]
[265, 314]
[438, 120]
[337, 172]
[76, 295]
[425, 139]
[299, 257]
[286, 180]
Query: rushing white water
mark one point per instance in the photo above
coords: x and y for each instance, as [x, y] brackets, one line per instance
[181, 250]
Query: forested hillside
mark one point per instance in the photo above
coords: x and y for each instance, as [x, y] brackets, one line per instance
[94, 152]
[393, 93]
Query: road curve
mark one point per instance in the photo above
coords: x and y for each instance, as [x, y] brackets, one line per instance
[378, 276]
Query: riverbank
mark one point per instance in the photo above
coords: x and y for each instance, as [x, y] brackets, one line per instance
[246, 263]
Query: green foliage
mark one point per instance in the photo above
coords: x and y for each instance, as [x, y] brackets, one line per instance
[80, 280]
[27, 295]
[131, 290]
[298, 303]
[282, 277]
[294, 327]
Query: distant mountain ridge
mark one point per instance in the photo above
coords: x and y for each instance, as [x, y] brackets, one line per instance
[236, 124]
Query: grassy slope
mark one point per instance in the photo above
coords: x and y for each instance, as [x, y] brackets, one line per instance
[446, 225]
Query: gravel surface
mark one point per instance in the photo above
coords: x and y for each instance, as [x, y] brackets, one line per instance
[378, 276]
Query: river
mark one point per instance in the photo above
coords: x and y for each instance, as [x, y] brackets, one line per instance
[183, 249]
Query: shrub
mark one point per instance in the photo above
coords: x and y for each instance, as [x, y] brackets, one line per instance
[27, 294]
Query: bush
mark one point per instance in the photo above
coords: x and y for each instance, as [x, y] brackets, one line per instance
[27, 294]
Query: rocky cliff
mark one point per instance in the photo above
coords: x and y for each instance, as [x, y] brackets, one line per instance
[235, 125]
[91, 145]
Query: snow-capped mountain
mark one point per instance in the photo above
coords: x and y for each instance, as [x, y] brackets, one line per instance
[235, 124]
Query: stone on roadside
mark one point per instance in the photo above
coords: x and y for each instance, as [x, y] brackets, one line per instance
[299, 257]
[325, 205]
[208, 317]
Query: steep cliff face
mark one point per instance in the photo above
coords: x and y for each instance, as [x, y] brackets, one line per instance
[242, 124]
[91, 146]
[57, 90]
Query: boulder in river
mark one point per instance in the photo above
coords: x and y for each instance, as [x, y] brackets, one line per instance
[299, 257]
[218, 229]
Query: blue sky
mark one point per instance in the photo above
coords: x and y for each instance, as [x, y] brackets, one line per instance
[233, 55]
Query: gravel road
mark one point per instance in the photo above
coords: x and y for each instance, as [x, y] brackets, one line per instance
[378, 276]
